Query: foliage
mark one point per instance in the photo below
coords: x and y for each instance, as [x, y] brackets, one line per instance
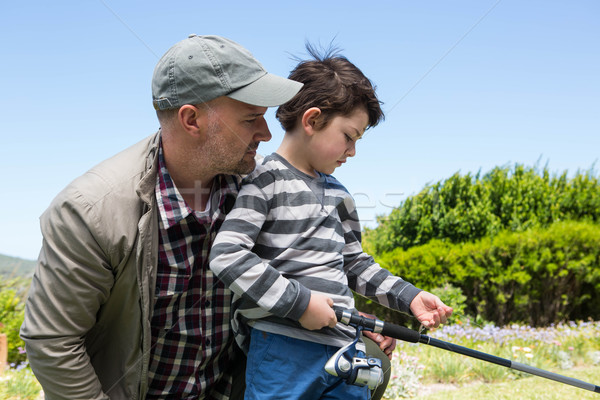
[538, 276]
[12, 312]
[466, 208]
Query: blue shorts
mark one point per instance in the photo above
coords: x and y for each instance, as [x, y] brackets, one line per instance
[281, 367]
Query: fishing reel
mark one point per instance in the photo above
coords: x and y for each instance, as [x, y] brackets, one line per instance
[355, 370]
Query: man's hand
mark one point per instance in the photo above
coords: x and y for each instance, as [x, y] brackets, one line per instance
[430, 310]
[319, 313]
[386, 344]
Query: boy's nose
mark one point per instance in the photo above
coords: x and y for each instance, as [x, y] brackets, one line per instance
[351, 152]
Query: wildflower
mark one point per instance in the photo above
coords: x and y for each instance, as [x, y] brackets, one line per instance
[595, 356]
[22, 365]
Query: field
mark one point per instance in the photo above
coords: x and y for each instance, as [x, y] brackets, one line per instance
[419, 371]
[525, 388]
[424, 372]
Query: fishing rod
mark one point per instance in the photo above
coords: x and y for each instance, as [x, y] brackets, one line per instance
[408, 335]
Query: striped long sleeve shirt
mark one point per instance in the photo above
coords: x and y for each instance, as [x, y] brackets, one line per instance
[290, 234]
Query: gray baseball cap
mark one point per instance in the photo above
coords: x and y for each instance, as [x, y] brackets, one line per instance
[201, 68]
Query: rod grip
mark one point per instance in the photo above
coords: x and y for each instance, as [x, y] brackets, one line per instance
[339, 312]
[400, 332]
[387, 329]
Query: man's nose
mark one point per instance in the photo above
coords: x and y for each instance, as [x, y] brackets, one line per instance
[263, 134]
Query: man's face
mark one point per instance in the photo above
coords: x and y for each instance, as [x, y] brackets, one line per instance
[234, 131]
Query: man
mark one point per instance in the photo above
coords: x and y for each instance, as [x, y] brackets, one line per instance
[122, 303]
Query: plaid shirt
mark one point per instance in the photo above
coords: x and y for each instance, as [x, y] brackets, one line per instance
[192, 342]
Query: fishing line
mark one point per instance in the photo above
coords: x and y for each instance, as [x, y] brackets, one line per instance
[129, 28]
[444, 55]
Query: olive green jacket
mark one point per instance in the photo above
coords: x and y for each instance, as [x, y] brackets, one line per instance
[87, 318]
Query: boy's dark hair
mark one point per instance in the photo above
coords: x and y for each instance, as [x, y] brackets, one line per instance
[333, 84]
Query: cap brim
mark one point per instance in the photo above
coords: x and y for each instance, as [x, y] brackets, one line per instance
[267, 91]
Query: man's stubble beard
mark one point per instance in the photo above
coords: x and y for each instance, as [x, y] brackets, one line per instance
[217, 152]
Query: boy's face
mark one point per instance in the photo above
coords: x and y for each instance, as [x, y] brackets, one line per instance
[332, 145]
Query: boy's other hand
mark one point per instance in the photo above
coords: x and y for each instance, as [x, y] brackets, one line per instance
[319, 313]
[387, 344]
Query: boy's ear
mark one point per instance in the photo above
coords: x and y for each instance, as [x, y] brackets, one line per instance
[309, 120]
[192, 119]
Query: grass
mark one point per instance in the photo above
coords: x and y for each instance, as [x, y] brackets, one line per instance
[571, 349]
[525, 388]
[19, 384]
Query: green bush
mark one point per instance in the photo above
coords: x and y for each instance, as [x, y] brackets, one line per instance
[467, 208]
[538, 276]
[12, 313]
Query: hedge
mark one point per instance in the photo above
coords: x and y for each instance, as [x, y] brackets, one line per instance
[538, 276]
[467, 208]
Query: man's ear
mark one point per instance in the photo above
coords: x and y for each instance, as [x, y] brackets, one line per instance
[310, 120]
[192, 119]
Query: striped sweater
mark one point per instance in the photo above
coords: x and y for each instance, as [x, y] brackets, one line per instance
[287, 235]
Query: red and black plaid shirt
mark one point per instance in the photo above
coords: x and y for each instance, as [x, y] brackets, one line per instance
[192, 343]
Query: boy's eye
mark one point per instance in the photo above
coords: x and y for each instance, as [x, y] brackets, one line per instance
[348, 138]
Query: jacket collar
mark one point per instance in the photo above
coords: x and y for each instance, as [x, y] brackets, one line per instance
[145, 188]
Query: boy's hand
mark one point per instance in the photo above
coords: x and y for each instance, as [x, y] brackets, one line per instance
[430, 310]
[319, 313]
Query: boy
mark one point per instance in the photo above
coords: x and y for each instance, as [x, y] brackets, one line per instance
[290, 249]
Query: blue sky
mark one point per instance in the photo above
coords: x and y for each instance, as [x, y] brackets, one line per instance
[466, 86]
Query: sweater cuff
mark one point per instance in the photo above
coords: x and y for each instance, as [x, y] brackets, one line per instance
[406, 297]
[301, 303]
